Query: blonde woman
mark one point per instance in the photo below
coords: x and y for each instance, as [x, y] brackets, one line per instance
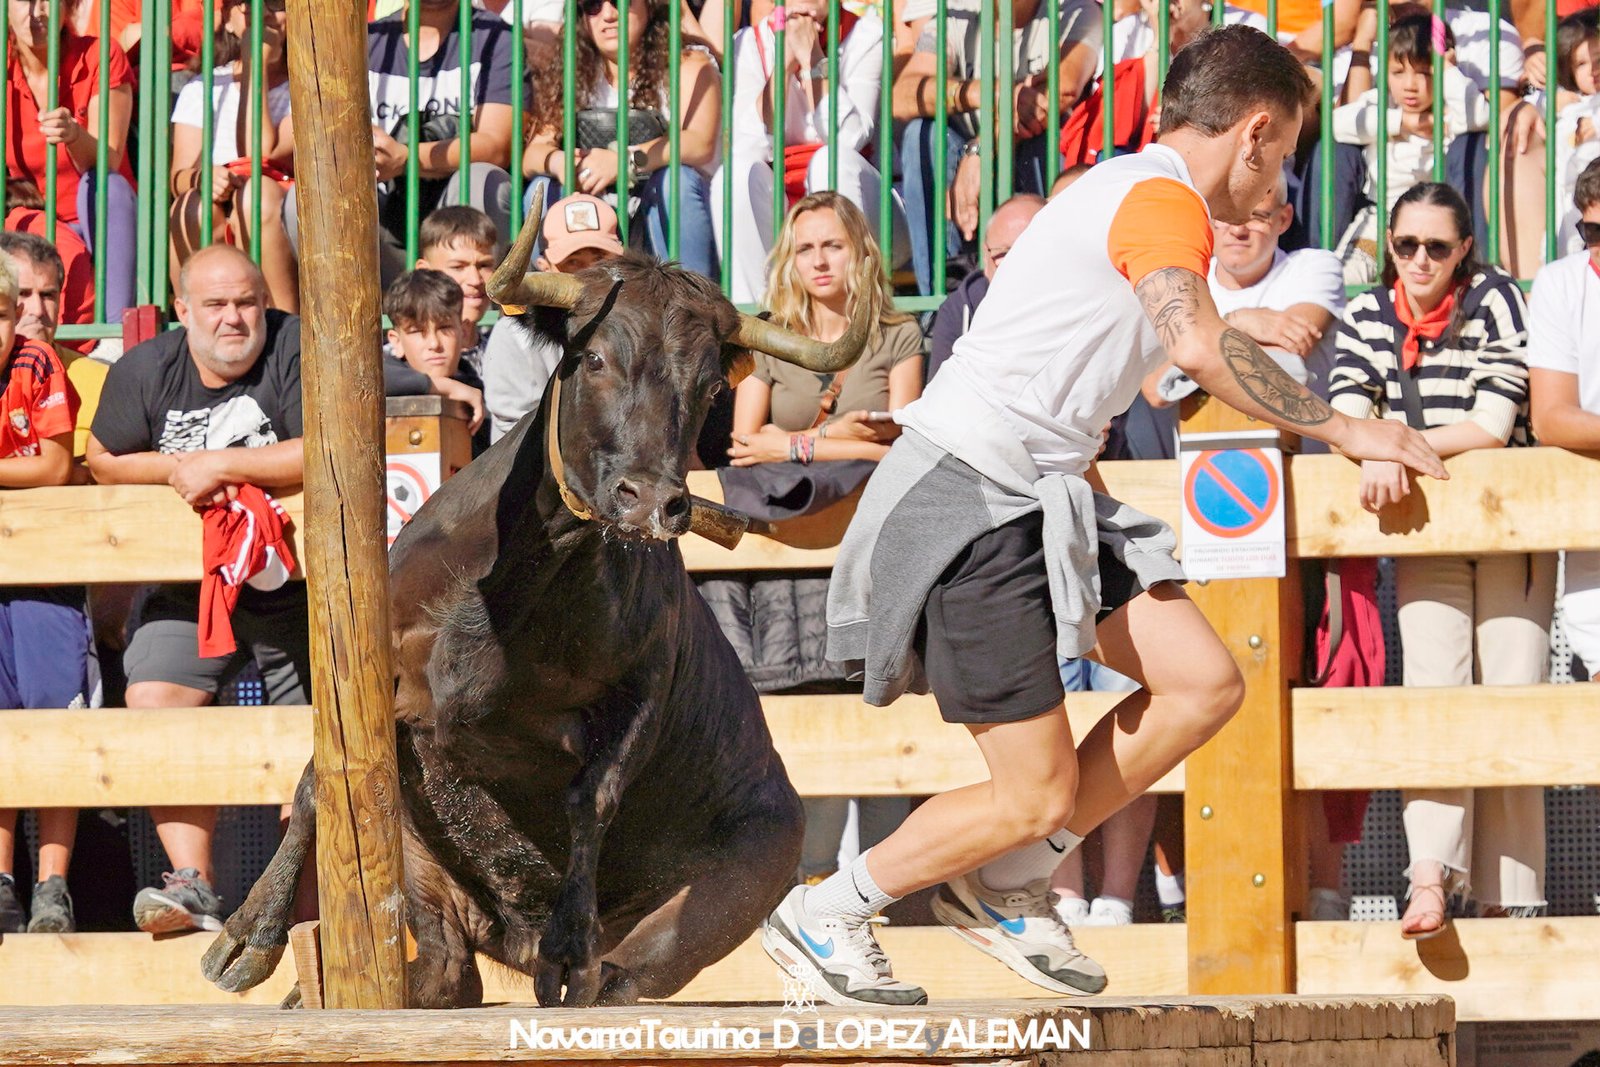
[826, 260]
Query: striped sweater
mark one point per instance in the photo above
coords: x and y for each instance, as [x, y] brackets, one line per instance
[1480, 373]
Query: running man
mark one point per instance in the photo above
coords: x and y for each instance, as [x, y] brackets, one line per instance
[979, 553]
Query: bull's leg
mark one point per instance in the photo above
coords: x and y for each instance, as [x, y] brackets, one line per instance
[568, 948]
[718, 909]
[254, 937]
[445, 972]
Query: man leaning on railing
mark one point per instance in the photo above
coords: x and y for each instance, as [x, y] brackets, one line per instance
[210, 409]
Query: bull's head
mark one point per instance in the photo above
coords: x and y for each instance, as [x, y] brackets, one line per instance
[646, 347]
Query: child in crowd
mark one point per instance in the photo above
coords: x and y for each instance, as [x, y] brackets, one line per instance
[424, 309]
[1578, 112]
[463, 243]
[44, 632]
[1410, 126]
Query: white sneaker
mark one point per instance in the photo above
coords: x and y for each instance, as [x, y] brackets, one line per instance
[1020, 928]
[1106, 911]
[839, 961]
[1074, 911]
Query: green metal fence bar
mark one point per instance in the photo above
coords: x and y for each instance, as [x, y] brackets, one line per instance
[464, 126]
[1052, 129]
[161, 140]
[1218, 11]
[519, 135]
[833, 90]
[143, 165]
[102, 163]
[1437, 29]
[1550, 211]
[885, 143]
[1108, 111]
[1382, 178]
[674, 134]
[624, 103]
[1496, 160]
[780, 103]
[569, 99]
[52, 101]
[413, 128]
[986, 119]
[1327, 125]
[206, 163]
[258, 93]
[938, 241]
[1164, 38]
[1272, 19]
[727, 145]
[1005, 99]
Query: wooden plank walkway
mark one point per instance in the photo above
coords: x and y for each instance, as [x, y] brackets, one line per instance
[1097, 1032]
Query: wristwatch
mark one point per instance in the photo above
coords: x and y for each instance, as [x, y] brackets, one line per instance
[638, 161]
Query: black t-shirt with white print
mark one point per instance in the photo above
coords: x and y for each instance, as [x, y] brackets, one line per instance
[153, 401]
[438, 76]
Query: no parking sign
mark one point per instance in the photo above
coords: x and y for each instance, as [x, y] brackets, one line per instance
[1232, 505]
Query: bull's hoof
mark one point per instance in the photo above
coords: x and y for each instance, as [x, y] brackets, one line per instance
[292, 999]
[557, 984]
[234, 965]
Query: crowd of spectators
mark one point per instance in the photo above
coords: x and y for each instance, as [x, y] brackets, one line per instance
[1443, 339]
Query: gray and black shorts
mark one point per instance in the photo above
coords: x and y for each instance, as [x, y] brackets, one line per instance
[987, 637]
[270, 629]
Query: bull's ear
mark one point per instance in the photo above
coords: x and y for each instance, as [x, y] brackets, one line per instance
[738, 364]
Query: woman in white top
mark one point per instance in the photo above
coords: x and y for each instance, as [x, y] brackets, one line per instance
[806, 138]
[228, 155]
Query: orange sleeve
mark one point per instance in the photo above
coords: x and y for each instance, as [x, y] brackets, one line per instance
[1160, 223]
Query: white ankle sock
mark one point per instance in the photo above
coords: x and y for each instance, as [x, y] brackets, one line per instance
[1169, 889]
[1026, 865]
[850, 893]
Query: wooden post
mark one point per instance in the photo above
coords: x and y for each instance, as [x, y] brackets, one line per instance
[1245, 862]
[358, 826]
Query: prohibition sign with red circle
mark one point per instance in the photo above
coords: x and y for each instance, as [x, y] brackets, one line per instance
[1231, 492]
[411, 480]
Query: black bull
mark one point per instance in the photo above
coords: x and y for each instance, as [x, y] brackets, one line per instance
[591, 795]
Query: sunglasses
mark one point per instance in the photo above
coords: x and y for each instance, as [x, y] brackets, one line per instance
[1590, 232]
[1438, 251]
[592, 8]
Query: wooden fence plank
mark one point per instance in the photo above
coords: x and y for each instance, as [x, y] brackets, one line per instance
[1444, 738]
[1519, 499]
[116, 757]
[1146, 960]
[1493, 968]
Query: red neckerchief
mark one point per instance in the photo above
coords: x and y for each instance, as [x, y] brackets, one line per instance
[1594, 266]
[1432, 325]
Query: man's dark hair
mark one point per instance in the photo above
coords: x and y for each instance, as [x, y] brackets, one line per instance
[1411, 41]
[422, 298]
[1227, 73]
[35, 249]
[447, 225]
[1587, 193]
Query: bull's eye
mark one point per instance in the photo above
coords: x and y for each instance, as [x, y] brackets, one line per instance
[715, 389]
[593, 361]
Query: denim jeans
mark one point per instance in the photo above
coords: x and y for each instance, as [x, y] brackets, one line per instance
[697, 248]
[923, 216]
[1090, 676]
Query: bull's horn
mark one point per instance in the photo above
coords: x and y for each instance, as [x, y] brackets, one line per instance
[802, 351]
[514, 287]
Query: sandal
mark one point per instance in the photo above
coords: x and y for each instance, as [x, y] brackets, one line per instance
[1425, 933]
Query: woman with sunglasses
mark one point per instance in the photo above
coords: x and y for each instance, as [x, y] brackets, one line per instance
[649, 158]
[1442, 346]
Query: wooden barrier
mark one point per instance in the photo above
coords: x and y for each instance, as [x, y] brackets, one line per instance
[1515, 500]
[1105, 1032]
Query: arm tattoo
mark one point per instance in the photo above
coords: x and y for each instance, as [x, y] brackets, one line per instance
[1171, 300]
[1269, 385]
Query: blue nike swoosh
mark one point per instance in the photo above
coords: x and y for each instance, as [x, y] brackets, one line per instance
[1014, 926]
[824, 950]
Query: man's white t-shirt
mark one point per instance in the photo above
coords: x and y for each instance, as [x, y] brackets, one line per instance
[1060, 343]
[1564, 324]
[1309, 276]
